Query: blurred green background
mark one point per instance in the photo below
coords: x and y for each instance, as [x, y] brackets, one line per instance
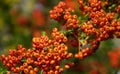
[20, 20]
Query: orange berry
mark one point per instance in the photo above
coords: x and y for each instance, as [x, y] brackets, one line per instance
[35, 69]
[26, 71]
[30, 67]
[32, 72]
[67, 66]
[76, 56]
[57, 67]
[52, 61]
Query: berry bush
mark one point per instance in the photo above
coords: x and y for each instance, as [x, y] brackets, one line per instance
[73, 32]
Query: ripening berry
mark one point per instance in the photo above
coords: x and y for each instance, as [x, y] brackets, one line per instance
[36, 69]
[57, 67]
[30, 67]
[32, 72]
[52, 61]
[67, 66]
[26, 70]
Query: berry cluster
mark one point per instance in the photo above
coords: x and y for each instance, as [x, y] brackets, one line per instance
[83, 53]
[57, 11]
[40, 43]
[61, 11]
[101, 26]
[58, 37]
[71, 20]
[46, 55]
[82, 7]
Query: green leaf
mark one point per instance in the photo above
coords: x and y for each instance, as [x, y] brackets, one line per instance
[41, 72]
[23, 60]
[52, 46]
[43, 33]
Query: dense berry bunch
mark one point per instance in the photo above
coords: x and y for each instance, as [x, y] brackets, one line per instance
[101, 24]
[57, 11]
[61, 11]
[82, 7]
[95, 24]
[40, 42]
[46, 55]
[71, 20]
[58, 37]
[14, 58]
